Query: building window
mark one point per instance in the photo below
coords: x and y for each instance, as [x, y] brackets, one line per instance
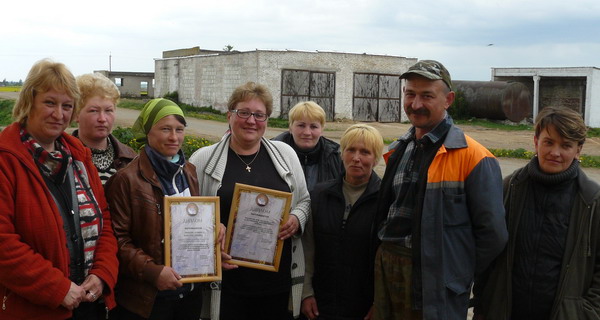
[119, 82]
[306, 85]
[144, 88]
[376, 97]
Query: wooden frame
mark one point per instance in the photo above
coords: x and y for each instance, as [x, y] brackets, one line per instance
[254, 231]
[191, 233]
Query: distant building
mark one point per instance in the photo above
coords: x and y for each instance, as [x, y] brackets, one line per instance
[361, 87]
[132, 84]
[575, 87]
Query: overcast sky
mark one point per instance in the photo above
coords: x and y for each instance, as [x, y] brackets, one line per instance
[468, 36]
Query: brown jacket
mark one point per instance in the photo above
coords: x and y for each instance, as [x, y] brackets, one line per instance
[123, 153]
[135, 200]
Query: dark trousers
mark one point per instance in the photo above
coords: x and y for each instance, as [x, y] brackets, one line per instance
[186, 308]
[271, 307]
[90, 311]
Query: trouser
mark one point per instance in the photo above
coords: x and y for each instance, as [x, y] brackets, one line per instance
[186, 308]
[393, 284]
[271, 307]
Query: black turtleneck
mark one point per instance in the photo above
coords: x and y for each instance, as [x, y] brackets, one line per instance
[541, 240]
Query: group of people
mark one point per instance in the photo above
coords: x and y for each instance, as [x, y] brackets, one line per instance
[82, 231]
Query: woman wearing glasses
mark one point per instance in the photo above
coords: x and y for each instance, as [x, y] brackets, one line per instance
[245, 156]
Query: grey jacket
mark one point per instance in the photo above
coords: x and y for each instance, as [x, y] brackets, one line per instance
[578, 294]
[210, 164]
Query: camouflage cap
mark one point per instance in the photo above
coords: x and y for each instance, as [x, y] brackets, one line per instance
[430, 69]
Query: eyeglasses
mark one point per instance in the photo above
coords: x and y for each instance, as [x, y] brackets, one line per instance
[245, 114]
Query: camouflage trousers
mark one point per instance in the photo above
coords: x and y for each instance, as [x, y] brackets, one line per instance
[393, 270]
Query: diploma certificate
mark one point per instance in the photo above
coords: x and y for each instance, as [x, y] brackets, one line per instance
[256, 217]
[191, 237]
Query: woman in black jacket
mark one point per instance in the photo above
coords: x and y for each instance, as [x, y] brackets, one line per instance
[550, 267]
[319, 156]
[339, 250]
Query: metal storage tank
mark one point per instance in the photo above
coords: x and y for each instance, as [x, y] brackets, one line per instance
[497, 100]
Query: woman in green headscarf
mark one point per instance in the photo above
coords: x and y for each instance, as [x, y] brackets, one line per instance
[147, 288]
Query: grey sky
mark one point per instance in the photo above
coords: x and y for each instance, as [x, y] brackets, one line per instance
[82, 34]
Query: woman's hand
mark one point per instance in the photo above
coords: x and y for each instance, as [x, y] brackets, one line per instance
[74, 297]
[224, 256]
[168, 279]
[309, 308]
[290, 227]
[93, 287]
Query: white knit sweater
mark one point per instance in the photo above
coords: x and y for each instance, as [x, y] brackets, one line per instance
[210, 165]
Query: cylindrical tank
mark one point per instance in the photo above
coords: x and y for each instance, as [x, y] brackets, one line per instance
[497, 100]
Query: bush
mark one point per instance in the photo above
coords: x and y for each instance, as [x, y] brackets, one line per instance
[459, 109]
[6, 107]
[173, 96]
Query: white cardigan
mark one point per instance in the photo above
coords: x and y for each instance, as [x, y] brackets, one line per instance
[210, 165]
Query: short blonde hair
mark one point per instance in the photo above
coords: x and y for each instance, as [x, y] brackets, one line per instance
[95, 85]
[248, 91]
[44, 76]
[366, 134]
[307, 109]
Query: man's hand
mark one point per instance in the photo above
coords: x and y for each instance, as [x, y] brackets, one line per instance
[309, 308]
[74, 297]
[168, 279]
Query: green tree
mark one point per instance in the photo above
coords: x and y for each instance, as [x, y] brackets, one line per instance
[228, 48]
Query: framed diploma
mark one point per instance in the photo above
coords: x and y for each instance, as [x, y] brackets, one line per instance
[255, 219]
[191, 238]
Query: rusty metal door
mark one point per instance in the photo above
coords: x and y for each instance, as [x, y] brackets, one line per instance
[305, 85]
[376, 97]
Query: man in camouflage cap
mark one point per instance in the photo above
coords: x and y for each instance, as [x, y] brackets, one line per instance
[440, 211]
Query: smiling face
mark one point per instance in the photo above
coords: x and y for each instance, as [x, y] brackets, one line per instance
[246, 133]
[50, 115]
[425, 103]
[306, 133]
[555, 153]
[359, 161]
[166, 136]
[96, 119]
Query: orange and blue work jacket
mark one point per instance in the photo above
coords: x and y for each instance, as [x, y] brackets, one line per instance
[461, 223]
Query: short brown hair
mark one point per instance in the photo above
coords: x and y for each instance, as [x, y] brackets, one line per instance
[44, 76]
[567, 122]
[95, 85]
[248, 91]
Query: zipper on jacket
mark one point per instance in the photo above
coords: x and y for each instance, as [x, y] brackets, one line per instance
[106, 308]
[4, 301]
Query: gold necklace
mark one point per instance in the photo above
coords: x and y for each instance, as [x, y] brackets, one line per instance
[248, 168]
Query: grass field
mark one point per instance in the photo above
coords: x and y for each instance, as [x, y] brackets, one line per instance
[10, 89]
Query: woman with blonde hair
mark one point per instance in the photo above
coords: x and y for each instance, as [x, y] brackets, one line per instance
[339, 243]
[96, 114]
[319, 156]
[57, 247]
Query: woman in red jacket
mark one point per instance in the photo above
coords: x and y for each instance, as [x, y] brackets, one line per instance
[57, 248]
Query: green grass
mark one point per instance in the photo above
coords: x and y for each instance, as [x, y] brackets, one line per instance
[493, 124]
[6, 107]
[10, 89]
[586, 161]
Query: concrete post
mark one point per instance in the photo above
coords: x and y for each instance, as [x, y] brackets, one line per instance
[536, 96]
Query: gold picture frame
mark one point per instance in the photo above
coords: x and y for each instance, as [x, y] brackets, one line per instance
[191, 238]
[255, 219]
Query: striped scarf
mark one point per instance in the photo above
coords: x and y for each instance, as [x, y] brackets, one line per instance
[54, 165]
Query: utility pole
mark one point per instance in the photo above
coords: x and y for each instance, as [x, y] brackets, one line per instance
[109, 61]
